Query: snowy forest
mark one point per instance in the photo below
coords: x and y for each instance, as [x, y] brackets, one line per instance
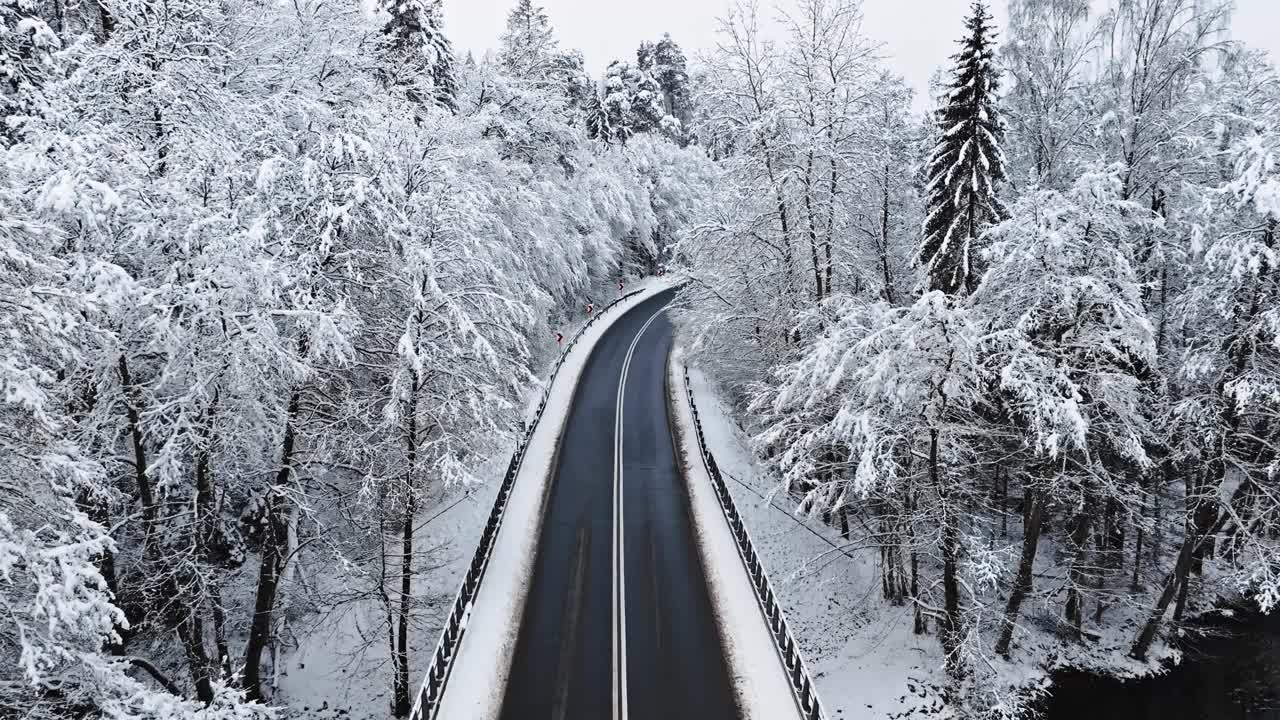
[277, 279]
[272, 275]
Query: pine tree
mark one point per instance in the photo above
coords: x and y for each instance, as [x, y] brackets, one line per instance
[665, 62]
[528, 45]
[444, 81]
[632, 99]
[598, 125]
[966, 163]
[416, 36]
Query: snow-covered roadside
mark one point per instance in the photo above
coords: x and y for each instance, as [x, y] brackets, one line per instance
[759, 675]
[480, 669]
[341, 667]
[860, 650]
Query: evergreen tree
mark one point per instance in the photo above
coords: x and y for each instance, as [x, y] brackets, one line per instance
[632, 99]
[569, 69]
[415, 33]
[597, 116]
[665, 63]
[966, 162]
[528, 45]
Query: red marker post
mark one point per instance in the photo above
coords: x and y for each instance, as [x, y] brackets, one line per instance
[590, 308]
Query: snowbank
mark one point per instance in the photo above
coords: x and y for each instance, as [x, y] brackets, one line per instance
[759, 674]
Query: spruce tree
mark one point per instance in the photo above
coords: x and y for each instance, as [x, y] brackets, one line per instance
[528, 44]
[632, 99]
[966, 163]
[597, 117]
[415, 33]
[666, 63]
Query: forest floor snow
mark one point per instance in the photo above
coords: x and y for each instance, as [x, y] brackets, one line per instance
[860, 649]
[340, 664]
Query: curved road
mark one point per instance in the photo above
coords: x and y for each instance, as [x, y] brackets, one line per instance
[619, 624]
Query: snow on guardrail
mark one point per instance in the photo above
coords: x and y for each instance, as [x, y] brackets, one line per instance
[802, 686]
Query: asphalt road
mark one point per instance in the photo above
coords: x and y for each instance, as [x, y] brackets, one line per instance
[619, 625]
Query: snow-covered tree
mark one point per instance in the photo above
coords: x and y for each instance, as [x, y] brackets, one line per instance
[26, 44]
[419, 50]
[966, 165]
[1047, 48]
[597, 119]
[632, 99]
[665, 62]
[1074, 354]
[529, 44]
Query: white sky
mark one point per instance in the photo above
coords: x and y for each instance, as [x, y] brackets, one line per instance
[917, 35]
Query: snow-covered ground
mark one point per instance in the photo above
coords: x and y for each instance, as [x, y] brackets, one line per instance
[860, 650]
[341, 667]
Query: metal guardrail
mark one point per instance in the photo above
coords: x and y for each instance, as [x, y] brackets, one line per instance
[788, 651]
[428, 698]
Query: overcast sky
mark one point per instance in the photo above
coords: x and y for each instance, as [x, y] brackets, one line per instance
[917, 35]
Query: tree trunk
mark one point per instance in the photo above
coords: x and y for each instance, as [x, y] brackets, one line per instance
[275, 539]
[191, 633]
[220, 631]
[813, 229]
[890, 295]
[400, 649]
[1110, 550]
[1077, 576]
[1140, 538]
[1004, 503]
[951, 620]
[831, 219]
[134, 426]
[1171, 584]
[1033, 520]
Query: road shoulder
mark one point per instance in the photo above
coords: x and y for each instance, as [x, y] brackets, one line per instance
[761, 685]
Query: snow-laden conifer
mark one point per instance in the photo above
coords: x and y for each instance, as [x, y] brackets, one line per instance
[966, 165]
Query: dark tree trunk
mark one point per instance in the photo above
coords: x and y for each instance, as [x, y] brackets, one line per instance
[1111, 548]
[1171, 584]
[951, 621]
[275, 543]
[108, 21]
[191, 633]
[1139, 539]
[134, 427]
[400, 649]
[1033, 512]
[1004, 503]
[1077, 576]
[813, 229]
[220, 631]
[890, 295]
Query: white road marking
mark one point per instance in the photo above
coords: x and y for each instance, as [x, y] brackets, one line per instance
[619, 574]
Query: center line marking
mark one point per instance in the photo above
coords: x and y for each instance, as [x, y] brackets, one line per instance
[619, 573]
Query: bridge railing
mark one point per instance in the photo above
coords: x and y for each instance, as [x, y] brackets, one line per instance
[427, 702]
[801, 684]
